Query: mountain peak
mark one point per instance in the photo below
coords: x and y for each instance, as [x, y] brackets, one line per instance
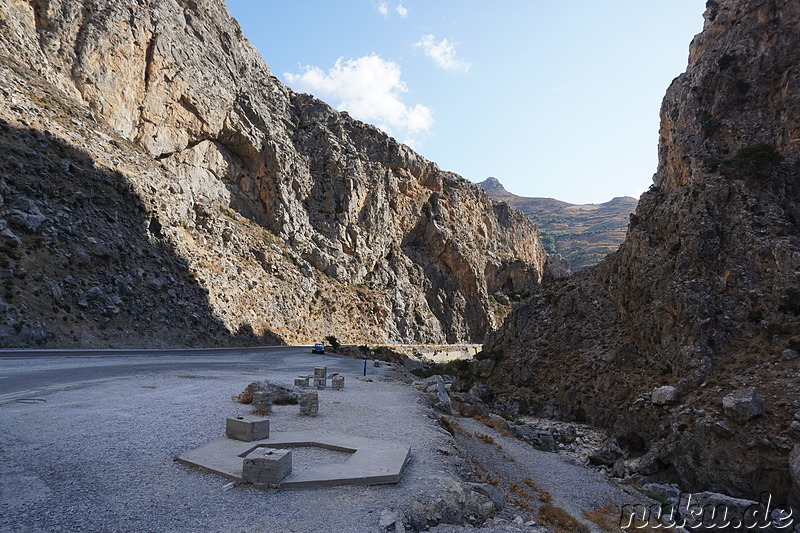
[492, 184]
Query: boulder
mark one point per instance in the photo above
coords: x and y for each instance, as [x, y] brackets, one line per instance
[453, 502]
[697, 510]
[482, 391]
[391, 522]
[666, 395]
[607, 454]
[482, 368]
[441, 400]
[646, 465]
[568, 435]
[742, 406]
[618, 470]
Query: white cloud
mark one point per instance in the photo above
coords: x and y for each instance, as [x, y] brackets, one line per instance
[370, 89]
[443, 53]
[401, 10]
[383, 9]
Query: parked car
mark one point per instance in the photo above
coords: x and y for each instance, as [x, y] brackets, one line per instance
[318, 348]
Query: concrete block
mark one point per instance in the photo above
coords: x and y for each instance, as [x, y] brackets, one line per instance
[267, 466]
[320, 375]
[309, 403]
[247, 428]
[337, 382]
[301, 382]
[262, 402]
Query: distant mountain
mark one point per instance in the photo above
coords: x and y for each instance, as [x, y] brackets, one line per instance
[583, 234]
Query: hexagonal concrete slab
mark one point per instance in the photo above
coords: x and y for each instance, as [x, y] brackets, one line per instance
[373, 462]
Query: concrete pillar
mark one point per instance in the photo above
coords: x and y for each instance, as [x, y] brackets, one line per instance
[247, 428]
[337, 382]
[262, 402]
[266, 467]
[320, 375]
[309, 403]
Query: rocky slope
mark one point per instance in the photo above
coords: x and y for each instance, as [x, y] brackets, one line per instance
[583, 233]
[703, 296]
[168, 174]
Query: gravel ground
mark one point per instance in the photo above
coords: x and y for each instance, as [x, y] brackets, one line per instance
[572, 486]
[98, 454]
[100, 457]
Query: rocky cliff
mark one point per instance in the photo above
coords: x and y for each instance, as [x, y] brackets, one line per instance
[156, 171]
[684, 342]
[582, 233]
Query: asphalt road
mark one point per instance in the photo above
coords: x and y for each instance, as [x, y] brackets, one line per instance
[29, 375]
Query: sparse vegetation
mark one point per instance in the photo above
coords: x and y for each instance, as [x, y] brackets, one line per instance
[488, 439]
[246, 396]
[561, 520]
[447, 426]
[608, 519]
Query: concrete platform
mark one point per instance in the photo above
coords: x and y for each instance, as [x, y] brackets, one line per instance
[374, 462]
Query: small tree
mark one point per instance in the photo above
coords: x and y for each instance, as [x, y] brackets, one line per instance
[333, 342]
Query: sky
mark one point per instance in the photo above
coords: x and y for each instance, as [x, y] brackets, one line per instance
[555, 99]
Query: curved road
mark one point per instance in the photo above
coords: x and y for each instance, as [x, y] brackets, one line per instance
[29, 374]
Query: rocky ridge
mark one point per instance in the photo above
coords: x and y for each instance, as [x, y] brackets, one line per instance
[582, 233]
[284, 219]
[703, 296]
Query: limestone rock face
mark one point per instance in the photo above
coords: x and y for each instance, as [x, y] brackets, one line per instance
[300, 211]
[704, 292]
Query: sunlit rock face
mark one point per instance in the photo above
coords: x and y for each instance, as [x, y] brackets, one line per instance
[294, 219]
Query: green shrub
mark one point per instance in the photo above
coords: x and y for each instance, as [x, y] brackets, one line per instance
[755, 157]
[457, 367]
[333, 341]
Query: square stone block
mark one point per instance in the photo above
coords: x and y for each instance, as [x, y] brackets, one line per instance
[247, 428]
[267, 466]
[309, 403]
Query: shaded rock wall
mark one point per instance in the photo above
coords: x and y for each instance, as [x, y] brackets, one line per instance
[703, 294]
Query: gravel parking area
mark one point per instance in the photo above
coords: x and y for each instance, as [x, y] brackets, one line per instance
[99, 457]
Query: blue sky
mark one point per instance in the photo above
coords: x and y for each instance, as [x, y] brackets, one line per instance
[555, 99]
